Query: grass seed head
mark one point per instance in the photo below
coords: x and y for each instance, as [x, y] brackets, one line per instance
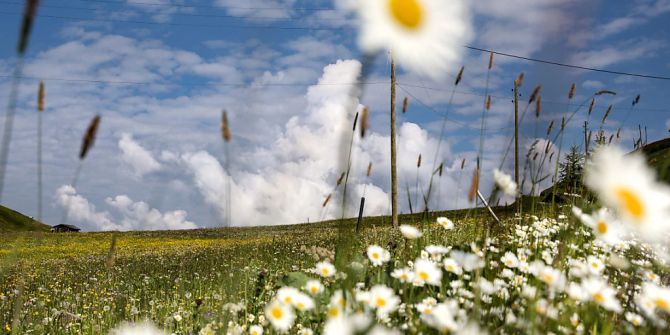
[533, 95]
[404, 105]
[40, 97]
[369, 170]
[519, 80]
[27, 24]
[225, 127]
[325, 202]
[89, 137]
[364, 121]
[601, 92]
[418, 161]
[571, 94]
[459, 76]
[593, 103]
[538, 107]
[488, 102]
[474, 186]
[490, 60]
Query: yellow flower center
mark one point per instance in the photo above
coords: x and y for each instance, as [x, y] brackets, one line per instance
[380, 302]
[288, 300]
[333, 312]
[598, 297]
[375, 255]
[408, 13]
[300, 306]
[325, 271]
[547, 278]
[450, 267]
[601, 227]
[630, 202]
[314, 289]
[254, 332]
[595, 265]
[277, 312]
[509, 262]
[423, 275]
[661, 303]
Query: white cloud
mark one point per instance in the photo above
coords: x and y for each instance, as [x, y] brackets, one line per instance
[140, 216]
[134, 215]
[81, 210]
[139, 159]
[259, 10]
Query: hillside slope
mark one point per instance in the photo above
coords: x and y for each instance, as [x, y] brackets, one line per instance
[11, 220]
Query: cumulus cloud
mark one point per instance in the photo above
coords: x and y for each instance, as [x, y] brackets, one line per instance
[301, 167]
[138, 158]
[134, 215]
[140, 216]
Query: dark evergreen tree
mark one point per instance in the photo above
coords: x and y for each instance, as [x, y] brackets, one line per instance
[571, 170]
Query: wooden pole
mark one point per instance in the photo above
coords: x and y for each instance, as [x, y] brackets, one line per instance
[360, 215]
[394, 175]
[516, 138]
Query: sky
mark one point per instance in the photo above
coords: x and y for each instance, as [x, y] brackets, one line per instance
[160, 72]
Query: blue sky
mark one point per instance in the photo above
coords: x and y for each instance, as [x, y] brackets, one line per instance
[160, 71]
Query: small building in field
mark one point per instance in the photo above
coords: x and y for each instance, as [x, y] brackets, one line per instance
[65, 228]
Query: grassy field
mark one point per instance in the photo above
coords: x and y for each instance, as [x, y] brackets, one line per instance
[73, 283]
[12, 221]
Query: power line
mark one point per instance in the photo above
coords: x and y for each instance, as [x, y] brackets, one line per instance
[570, 65]
[586, 68]
[146, 83]
[202, 6]
[93, 9]
[202, 25]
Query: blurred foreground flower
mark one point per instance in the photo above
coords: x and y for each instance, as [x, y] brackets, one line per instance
[626, 184]
[426, 36]
[141, 328]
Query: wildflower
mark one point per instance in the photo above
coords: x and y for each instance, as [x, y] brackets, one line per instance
[287, 294]
[598, 291]
[314, 287]
[595, 265]
[634, 319]
[255, 330]
[505, 182]
[378, 255]
[626, 184]
[436, 251]
[450, 265]
[280, 315]
[445, 223]
[325, 269]
[305, 331]
[410, 232]
[443, 317]
[336, 305]
[426, 305]
[605, 226]
[654, 297]
[144, 328]
[424, 35]
[303, 302]
[426, 272]
[404, 275]
[384, 300]
[510, 260]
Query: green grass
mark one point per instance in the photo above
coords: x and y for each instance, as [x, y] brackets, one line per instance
[13, 221]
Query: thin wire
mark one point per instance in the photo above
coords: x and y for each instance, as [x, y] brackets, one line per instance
[632, 74]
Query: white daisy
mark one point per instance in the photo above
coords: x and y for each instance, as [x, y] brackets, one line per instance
[287, 294]
[626, 184]
[383, 300]
[426, 272]
[255, 330]
[604, 225]
[325, 269]
[410, 232]
[144, 328]
[510, 260]
[404, 275]
[426, 36]
[280, 315]
[654, 297]
[378, 255]
[450, 265]
[445, 223]
[314, 287]
[505, 182]
[599, 291]
[595, 265]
